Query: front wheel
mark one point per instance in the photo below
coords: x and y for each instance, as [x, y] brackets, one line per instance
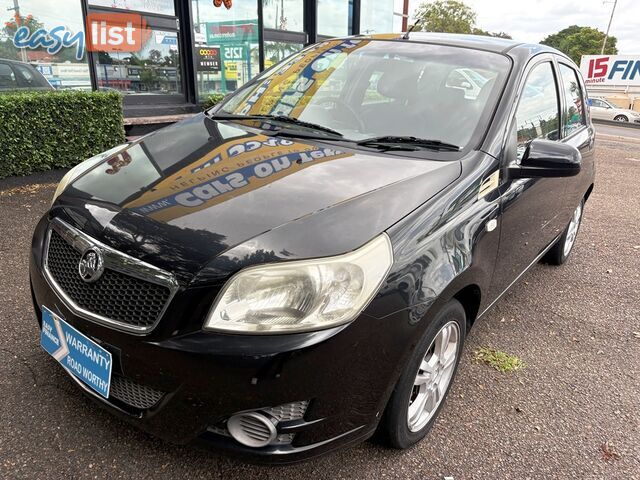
[422, 388]
[621, 118]
[560, 252]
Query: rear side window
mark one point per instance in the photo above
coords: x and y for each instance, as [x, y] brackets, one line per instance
[7, 78]
[538, 115]
[31, 78]
[573, 114]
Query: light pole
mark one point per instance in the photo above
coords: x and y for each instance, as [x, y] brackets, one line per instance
[606, 35]
[16, 8]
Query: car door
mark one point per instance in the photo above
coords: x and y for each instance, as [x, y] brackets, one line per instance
[532, 209]
[577, 131]
[599, 109]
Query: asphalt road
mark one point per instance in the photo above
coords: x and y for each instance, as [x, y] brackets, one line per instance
[614, 130]
[576, 327]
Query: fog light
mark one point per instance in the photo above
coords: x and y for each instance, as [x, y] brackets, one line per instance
[252, 429]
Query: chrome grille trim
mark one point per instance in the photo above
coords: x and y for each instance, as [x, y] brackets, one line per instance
[113, 260]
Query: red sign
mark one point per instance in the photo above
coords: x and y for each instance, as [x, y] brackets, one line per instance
[116, 32]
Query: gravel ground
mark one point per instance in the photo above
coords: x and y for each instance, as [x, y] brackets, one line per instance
[572, 413]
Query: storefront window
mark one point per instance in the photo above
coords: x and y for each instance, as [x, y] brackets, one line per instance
[275, 52]
[283, 14]
[155, 69]
[65, 67]
[376, 16]
[226, 50]
[334, 17]
[163, 7]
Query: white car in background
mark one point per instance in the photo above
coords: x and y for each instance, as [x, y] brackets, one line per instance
[601, 109]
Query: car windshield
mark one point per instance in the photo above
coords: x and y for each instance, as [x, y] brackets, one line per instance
[364, 89]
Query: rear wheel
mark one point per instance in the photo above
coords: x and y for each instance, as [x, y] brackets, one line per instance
[621, 118]
[422, 388]
[560, 252]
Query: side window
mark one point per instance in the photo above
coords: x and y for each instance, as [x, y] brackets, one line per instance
[537, 115]
[26, 75]
[573, 115]
[7, 78]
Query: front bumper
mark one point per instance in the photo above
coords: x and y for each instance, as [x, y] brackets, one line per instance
[346, 373]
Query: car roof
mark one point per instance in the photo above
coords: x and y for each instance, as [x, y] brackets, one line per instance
[7, 60]
[479, 42]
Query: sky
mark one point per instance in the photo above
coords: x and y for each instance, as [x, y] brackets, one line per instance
[532, 20]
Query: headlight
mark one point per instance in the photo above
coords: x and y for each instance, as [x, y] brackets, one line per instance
[83, 167]
[302, 295]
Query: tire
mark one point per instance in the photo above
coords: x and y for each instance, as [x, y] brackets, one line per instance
[395, 427]
[560, 252]
[620, 118]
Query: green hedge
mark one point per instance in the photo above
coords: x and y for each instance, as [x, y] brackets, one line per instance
[45, 130]
[212, 100]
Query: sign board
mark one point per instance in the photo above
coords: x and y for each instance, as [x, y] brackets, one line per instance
[233, 52]
[78, 354]
[611, 69]
[232, 32]
[231, 70]
[207, 59]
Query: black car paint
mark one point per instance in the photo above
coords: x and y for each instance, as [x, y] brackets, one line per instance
[441, 246]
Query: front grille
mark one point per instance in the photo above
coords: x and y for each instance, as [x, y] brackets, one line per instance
[133, 394]
[114, 296]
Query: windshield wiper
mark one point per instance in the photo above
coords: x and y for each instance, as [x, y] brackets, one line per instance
[411, 143]
[277, 118]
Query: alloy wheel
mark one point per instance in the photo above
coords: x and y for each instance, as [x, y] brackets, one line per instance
[433, 376]
[572, 230]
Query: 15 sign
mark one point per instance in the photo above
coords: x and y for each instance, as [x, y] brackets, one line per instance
[611, 69]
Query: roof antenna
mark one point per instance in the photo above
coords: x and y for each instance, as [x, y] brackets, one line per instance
[411, 28]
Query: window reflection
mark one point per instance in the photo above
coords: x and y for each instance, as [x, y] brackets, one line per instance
[537, 115]
[283, 14]
[334, 17]
[233, 33]
[155, 69]
[376, 16]
[164, 7]
[275, 52]
[62, 69]
[573, 115]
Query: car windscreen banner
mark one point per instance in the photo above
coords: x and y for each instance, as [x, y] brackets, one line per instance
[623, 70]
[290, 87]
[237, 167]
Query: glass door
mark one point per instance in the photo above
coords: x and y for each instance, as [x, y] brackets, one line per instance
[284, 35]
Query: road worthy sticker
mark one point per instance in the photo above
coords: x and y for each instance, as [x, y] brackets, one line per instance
[78, 354]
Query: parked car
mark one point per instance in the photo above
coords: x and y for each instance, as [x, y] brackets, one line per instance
[602, 109]
[299, 266]
[21, 76]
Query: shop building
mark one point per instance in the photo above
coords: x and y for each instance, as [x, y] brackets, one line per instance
[194, 48]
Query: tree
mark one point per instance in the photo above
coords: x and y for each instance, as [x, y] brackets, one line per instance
[479, 31]
[575, 41]
[155, 56]
[449, 16]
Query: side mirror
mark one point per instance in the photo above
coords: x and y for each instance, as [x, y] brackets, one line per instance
[546, 158]
[466, 85]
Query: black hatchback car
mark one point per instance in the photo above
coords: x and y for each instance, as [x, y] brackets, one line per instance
[298, 267]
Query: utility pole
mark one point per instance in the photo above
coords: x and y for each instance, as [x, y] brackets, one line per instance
[16, 8]
[606, 35]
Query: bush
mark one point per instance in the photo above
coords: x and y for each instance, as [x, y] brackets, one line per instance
[212, 100]
[45, 130]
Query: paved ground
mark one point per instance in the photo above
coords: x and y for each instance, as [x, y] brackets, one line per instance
[614, 130]
[575, 327]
